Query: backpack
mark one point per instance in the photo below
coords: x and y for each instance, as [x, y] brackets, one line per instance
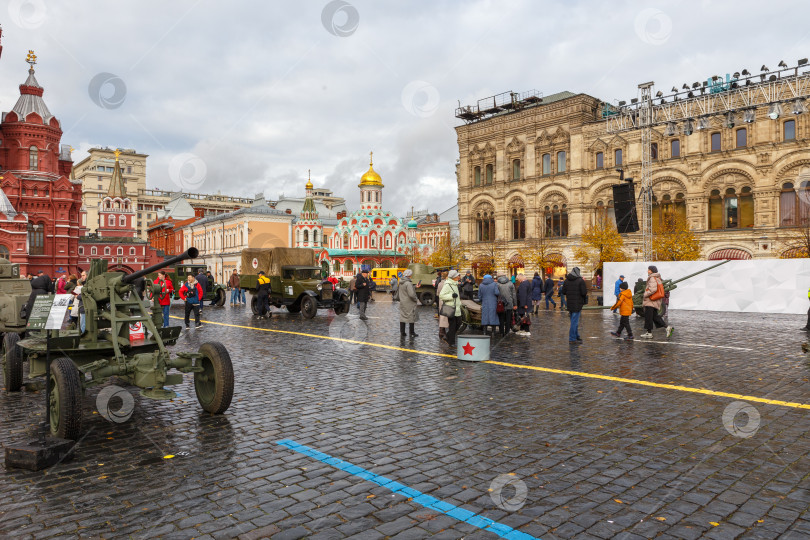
[191, 292]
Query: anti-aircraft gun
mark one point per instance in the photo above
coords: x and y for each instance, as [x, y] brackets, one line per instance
[107, 349]
[669, 285]
[14, 293]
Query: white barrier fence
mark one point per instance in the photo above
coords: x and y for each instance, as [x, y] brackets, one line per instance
[757, 286]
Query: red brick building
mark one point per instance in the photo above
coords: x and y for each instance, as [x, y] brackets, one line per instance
[115, 238]
[40, 204]
[165, 233]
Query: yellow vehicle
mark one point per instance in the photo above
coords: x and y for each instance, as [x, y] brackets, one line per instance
[382, 276]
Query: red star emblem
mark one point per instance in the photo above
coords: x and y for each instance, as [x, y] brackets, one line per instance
[468, 349]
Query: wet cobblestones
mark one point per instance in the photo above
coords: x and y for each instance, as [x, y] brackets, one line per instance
[599, 458]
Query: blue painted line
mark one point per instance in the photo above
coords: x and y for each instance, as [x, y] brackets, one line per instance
[432, 503]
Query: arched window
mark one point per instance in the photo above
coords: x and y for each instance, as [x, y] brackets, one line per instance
[675, 148]
[485, 226]
[111, 221]
[716, 142]
[120, 251]
[132, 251]
[347, 266]
[315, 237]
[518, 224]
[556, 220]
[515, 169]
[489, 174]
[654, 150]
[122, 221]
[106, 251]
[561, 162]
[617, 155]
[306, 237]
[477, 176]
[36, 239]
[374, 241]
[345, 240]
[715, 210]
[731, 207]
[93, 251]
[546, 163]
[794, 210]
[605, 212]
[4, 252]
[33, 158]
[336, 267]
[732, 210]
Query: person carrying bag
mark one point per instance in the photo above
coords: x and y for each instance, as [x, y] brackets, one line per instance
[451, 307]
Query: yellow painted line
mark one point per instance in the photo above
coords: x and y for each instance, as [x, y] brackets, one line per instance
[679, 388]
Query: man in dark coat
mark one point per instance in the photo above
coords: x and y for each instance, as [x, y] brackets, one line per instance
[576, 292]
[40, 285]
[467, 286]
[363, 292]
[203, 281]
[549, 287]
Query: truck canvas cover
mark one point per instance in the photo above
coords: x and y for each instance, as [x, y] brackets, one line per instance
[270, 260]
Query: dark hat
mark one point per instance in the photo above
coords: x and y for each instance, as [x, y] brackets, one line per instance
[40, 271]
[623, 285]
[261, 272]
[652, 268]
[621, 277]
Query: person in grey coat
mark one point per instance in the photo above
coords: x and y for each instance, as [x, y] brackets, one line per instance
[509, 298]
[394, 288]
[488, 293]
[407, 304]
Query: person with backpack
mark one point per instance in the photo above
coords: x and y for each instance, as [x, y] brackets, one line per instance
[624, 303]
[190, 293]
[653, 295]
[263, 288]
[507, 303]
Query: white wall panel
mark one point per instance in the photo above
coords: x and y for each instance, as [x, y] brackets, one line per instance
[757, 286]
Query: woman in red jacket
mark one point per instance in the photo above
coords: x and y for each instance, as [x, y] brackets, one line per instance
[165, 295]
[190, 293]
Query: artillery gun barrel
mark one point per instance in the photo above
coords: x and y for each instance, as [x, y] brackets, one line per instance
[190, 253]
[699, 272]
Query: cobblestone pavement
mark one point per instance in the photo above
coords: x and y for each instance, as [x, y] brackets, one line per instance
[598, 458]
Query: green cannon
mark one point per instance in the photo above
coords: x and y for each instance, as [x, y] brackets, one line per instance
[669, 285]
[14, 294]
[107, 349]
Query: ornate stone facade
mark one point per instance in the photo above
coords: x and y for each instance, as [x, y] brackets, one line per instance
[548, 170]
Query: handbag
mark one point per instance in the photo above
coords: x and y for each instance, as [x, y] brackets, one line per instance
[448, 311]
[500, 307]
[659, 292]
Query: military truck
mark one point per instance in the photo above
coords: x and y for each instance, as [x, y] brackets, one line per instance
[214, 292]
[424, 279]
[14, 294]
[295, 281]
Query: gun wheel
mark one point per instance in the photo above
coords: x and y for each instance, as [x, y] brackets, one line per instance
[254, 305]
[426, 298]
[65, 400]
[220, 299]
[309, 307]
[341, 305]
[461, 328]
[214, 385]
[12, 362]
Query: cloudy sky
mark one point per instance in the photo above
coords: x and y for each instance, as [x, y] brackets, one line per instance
[244, 97]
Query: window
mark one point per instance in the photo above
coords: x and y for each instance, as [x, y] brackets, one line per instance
[336, 267]
[716, 146]
[618, 157]
[600, 160]
[81, 250]
[485, 226]
[132, 251]
[560, 162]
[36, 239]
[345, 240]
[789, 130]
[347, 266]
[489, 173]
[794, 209]
[518, 224]
[731, 220]
[732, 211]
[306, 237]
[4, 252]
[746, 207]
[120, 251]
[515, 169]
[605, 213]
[477, 176]
[675, 148]
[93, 251]
[33, 158]
[654, 151]
[715, 210]
[129, 170]
[111, 221]
[373, 241]
[742, 138]
[546, 163]
[106, 251]
[556, 219]
[122, 221]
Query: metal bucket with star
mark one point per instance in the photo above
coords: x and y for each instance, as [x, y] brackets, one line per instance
[472, 348]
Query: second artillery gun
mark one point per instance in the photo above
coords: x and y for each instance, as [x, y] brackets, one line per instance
[14, 294]
[105, 350]
[669, 285]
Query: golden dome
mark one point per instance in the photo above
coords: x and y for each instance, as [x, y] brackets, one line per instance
[309, 180]
[371, 178]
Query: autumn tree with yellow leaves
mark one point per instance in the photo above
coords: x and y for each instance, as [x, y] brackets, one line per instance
[674, 240]
[448, 252]
[536, 253]
[601, 243]
[797, 243]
